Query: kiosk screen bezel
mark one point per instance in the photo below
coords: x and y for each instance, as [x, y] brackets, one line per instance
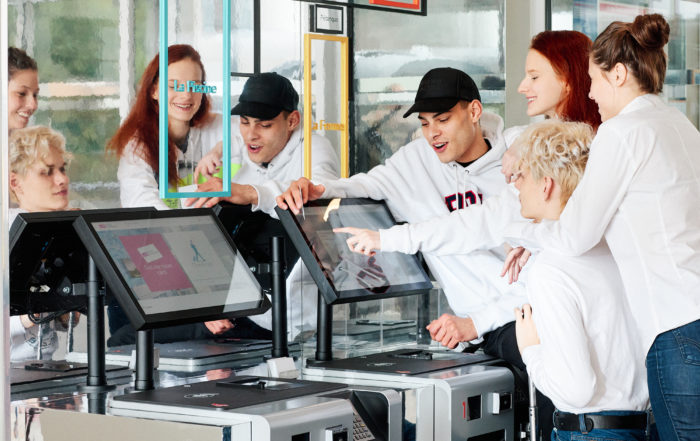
[331, 293]
[126, 298]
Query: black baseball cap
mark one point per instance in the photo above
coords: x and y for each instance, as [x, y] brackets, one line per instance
[441, 88]
[265, 95]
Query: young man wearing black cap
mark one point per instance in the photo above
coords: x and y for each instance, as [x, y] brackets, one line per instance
[269, 146]
[419, 185]
[455, 164]
[270, 149]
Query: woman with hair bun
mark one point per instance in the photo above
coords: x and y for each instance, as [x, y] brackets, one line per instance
[641, 192]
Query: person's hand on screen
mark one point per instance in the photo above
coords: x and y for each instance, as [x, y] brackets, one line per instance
[361, 240]
[525, 329]
[299, 192]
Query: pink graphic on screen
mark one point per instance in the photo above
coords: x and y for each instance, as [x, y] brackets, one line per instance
[157, 265]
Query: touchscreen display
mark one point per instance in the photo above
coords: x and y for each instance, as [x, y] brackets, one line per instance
[178, 263]
[348, 274]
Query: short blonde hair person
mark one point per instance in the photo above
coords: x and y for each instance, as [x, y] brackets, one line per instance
[32, 144]
[557, 149]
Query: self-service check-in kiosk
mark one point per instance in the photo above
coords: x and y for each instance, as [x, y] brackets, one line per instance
[251, 232]
[446, 395]
[180, 266]
[49, 269]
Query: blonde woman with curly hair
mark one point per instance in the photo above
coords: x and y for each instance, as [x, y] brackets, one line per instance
[578, 339]
[38, 182]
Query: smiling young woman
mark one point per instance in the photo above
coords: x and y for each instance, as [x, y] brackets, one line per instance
[192, 130]
[23, 88]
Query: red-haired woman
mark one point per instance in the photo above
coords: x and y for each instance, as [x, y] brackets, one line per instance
[556, 84]
[192, 130]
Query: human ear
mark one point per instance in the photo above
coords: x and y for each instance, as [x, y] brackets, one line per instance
[620, 73]
[293, 120]
[475, 109]
[547, 188]
[15, 183]
[155, 91]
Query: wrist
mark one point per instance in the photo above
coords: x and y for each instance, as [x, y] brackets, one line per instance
[26, 322]
[252, 194]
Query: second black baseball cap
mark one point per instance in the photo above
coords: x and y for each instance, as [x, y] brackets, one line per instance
[265, 95]
[441, 88]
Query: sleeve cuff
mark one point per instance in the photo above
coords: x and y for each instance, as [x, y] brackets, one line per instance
[395, 239]
[16, 327]
[266, 200]
[530, 354]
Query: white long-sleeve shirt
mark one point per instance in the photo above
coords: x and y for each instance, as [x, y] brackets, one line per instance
[418, 187]
[287, 166]
[641, 190]
[271, 181]
[588, 359]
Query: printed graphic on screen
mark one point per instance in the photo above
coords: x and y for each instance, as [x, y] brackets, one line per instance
[351, 271]
[172, 264]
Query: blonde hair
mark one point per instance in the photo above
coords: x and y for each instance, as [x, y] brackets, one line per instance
[32, 144]
[556, 149]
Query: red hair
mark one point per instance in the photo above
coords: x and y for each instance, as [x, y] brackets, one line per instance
[142, 122]
[567, 52]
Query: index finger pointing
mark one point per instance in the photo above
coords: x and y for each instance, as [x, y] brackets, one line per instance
[349, 230]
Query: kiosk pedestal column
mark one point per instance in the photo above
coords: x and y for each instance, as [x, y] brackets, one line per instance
[144, 360]
[279, 300]
[96, 379]
[324, 330]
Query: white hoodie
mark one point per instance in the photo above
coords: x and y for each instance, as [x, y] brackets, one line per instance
[138, 186]
[418, 187]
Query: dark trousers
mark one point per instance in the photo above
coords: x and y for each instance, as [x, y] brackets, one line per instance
[502, 343]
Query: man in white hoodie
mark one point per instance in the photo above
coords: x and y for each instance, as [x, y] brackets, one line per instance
[454, 165]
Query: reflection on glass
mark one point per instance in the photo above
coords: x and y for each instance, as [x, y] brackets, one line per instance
[392, 51]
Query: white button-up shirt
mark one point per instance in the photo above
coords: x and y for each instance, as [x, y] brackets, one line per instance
[641, 190]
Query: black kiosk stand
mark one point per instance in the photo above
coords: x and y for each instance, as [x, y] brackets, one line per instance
[51, 272]
[167, 268]
[346, 277]
[455, 384]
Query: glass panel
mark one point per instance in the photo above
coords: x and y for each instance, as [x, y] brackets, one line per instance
[242, 55]
[681, 87]
[393, 51]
